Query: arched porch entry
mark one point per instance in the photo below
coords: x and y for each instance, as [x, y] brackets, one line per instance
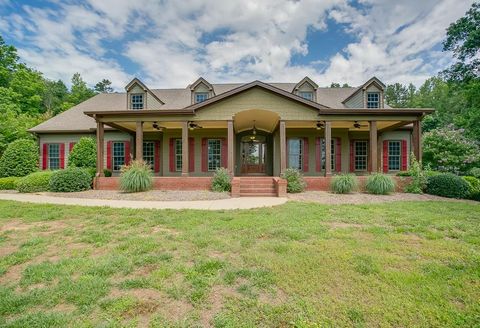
[254, 141]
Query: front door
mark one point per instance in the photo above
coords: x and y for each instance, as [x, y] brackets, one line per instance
[254, 154]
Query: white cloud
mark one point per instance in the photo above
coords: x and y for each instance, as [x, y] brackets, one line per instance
[170, 41]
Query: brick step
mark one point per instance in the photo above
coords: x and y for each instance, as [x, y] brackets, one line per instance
[257, 190]
[255, 178]
[265, 194]
[259, 185]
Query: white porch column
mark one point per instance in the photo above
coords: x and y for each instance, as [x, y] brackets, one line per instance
[328, 148]
[230, 147]
[185, 148]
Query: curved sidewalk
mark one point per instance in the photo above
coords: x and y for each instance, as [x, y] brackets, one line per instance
[219, 204]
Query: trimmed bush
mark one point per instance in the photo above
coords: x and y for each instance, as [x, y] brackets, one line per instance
[70, 180]
[84, 153]
[403, 174]
[222, 181]
[380, 184]
[136, 177]
[475, 172]
[295, 182]
[473, 187]
[19, 159]
[35, 182]
[8, 183]
[447, 185]
[107, 173]
[418, 175]
[344, 183]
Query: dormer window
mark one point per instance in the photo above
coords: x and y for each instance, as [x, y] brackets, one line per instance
[136, 101]
[200, 97]
[373, 99]
[306, 95]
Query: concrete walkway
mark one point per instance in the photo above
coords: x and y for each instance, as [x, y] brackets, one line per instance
[218, 204]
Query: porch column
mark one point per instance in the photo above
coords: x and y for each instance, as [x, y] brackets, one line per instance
[100, 145]
[373, 146]
[417, 137]
[230, 147]
[185, 149]
[139, 142]
[328, 148]
[283, 147]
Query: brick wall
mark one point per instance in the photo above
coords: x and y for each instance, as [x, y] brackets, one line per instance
[160, 183]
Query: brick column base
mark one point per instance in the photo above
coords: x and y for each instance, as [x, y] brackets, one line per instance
[280, 186]
[235, 187]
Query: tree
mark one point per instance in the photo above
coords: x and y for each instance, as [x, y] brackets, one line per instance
[20, 159]
[8, 62]
[55, 94]
[104, 86]
[84, 154]
[335, 85]
[79, 91]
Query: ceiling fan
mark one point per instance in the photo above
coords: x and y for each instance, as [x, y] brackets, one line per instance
[193, 126]
[319, 125]
[358, 125]
[157, 127]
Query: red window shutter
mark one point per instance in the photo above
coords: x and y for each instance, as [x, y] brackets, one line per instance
[306, 154]
[318, 154]
[109, 155]
[127, 152]
[45, 157]
[171, 158]
[62, 155]
[385, 156]
[224, 152]
[156, 152]
[70, 146]
[338, 155]
[352, 155]
[204, 155]
[404, 155]
[191, 154]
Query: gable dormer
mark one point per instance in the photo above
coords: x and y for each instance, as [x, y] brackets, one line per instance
[370, 95]
[306, 89]
[201, 90]
[140, 97]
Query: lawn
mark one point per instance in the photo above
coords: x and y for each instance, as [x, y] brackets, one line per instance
[403, 264]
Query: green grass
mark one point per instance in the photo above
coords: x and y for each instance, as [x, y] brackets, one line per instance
[403, 264]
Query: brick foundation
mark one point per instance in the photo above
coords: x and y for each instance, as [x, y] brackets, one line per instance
[159, 183]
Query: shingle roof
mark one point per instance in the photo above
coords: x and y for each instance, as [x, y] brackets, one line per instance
[74, 119]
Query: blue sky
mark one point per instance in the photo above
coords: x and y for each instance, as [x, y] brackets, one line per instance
[171, 43]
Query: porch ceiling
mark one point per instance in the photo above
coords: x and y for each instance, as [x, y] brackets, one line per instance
[364, 126]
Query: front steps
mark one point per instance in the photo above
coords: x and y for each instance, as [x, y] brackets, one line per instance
[258, 187]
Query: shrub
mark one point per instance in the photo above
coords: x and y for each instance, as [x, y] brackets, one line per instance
[295, 182]
[19, 159]
[380, 184]
[8, 183]
[473, 187]
[418, 177]
[447, 185]
[71, 179]
[107, 173]
[222, 181]
[344, 183]
[35, 182]
[84, 153]
[475, 172]
[136, 177]
[403, 174]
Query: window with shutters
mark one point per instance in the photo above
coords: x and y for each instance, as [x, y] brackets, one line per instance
[322, 147]
[214, 154]
[295, 153]
[394, 155]
[53, 156]
[149, 153]
[118, 155]
[178, 155]
[361, 155]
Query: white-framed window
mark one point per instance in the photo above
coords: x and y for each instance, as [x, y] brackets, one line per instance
[54, 156]
[136, 101]
[306, 95]
[323, 153]
[295, 153]
[394, 155]
[118, 155]
[214, 147]
[373, 99]
[361, 155]
[149, 152]
[178, 155]
[200, 97]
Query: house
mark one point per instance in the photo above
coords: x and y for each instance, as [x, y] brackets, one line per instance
[255, 129]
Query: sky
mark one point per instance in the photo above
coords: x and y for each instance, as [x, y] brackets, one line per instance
[169, 44]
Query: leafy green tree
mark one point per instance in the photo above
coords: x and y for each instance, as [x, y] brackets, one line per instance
[20, 159]
[8, 62]
[84, 153]
[55, 94]
[104, 86]
[29, 84]
[335, 85]
[79, 91]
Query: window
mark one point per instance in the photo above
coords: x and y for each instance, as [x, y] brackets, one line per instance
[178, 155]
[332, 160]
[373, 99]
[295, 153]
[214, 154]
[53, 156]
[149, 152]
[306, 95]
[361, 155]
[136, 101]
[394, 152]
[118, 157]
[200, 96]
